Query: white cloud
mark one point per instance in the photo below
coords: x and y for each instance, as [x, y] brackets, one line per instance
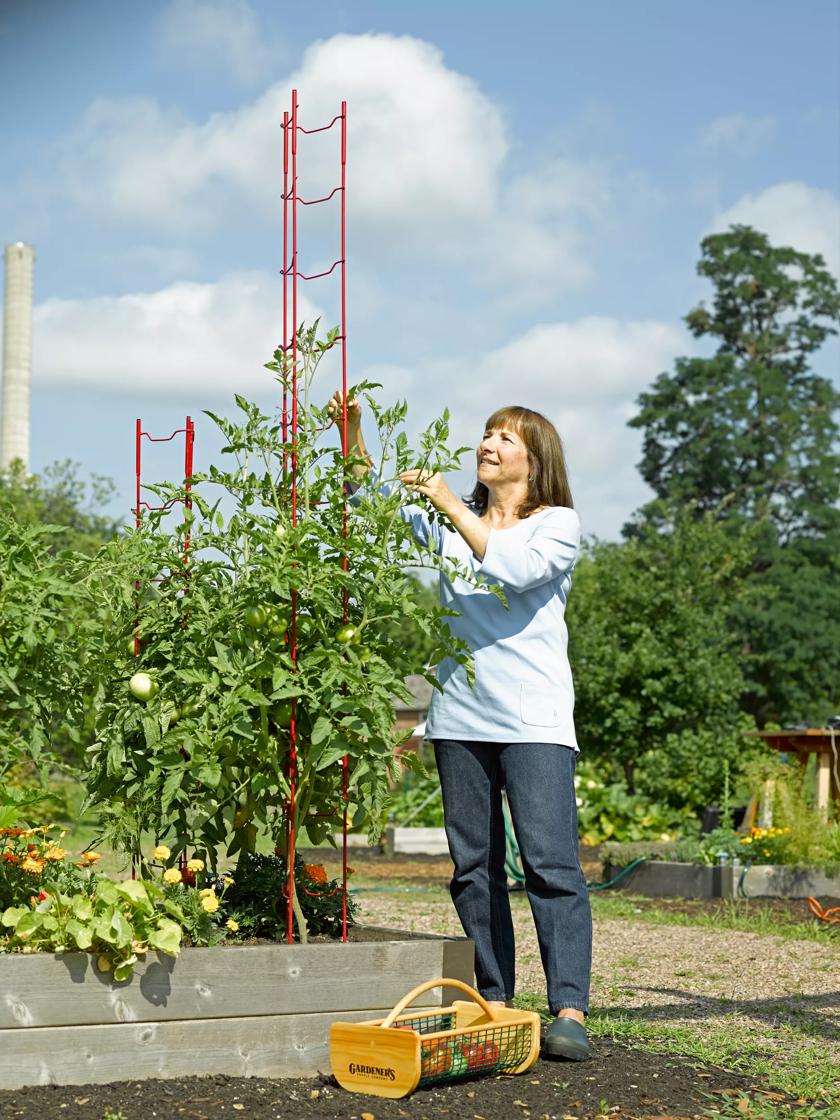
[592, 361]
[794, 214]
[739, 133]
[425, 172]
[214, 33]
[208, 341]
[187, 338]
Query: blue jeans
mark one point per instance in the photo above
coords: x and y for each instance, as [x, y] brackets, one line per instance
[539, 780]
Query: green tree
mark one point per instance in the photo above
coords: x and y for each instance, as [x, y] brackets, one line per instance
[60, 498]
[657, 672]
[751, 430]
[750, 435]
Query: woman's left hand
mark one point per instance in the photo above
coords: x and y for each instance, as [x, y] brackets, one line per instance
[431, 486]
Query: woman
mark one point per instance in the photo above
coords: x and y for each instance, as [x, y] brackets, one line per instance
[514, 727]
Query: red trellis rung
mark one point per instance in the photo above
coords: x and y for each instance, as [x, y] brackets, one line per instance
[291, 274]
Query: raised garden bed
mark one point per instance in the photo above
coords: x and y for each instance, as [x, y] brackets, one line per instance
[663, 878]
[416, 841]
[242, 1010]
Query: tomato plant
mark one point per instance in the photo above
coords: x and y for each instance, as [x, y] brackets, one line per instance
[217, 638]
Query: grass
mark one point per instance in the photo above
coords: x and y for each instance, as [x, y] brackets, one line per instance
[790, 1058]
[757, 1107]
[747, 915]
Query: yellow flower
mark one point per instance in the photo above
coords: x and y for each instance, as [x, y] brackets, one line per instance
[195, 865]
[33, 866]
[227, 881]
[211, 905]
[172, 875]
[91, 857]
[55, 853]
[161, 852]
[746, 840]
[206, 892]
[232, 925]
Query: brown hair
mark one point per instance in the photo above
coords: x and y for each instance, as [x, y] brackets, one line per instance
[548, 484]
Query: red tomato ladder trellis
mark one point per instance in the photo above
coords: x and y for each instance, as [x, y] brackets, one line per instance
[188, 432]
[291, 274]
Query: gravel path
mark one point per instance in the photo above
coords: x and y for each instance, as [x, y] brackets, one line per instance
[674, 973]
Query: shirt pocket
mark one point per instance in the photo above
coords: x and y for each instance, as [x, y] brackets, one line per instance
[538, 707]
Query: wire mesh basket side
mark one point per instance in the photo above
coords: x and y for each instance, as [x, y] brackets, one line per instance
[470, 1052]
[428, 1024]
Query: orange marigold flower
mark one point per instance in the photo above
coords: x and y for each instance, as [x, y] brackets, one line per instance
[10, 857]
[91, 857]
[33, 866]
[315, 872]
[55, 853]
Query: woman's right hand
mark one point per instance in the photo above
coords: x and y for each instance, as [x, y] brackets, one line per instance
[354, 409]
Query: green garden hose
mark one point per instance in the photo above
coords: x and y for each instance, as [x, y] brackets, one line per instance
[513, 860]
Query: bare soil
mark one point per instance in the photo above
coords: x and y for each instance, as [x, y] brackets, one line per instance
[618, 1082]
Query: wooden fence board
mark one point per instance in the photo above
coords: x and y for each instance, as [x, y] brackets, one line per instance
[42, 990]
[256, 1046]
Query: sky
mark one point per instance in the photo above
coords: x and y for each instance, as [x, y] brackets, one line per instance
[527, 189]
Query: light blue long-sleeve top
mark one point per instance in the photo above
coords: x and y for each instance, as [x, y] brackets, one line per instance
[523, 691]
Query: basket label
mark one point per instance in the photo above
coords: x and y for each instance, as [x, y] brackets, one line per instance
[384, 1073]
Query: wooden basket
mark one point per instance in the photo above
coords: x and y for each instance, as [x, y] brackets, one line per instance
[391, 1057]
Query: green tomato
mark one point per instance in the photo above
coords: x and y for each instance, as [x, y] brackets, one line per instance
[142, 686]
[364, 654]
[282, 713]
[256, 615]
[345, 634]
[190, 708]
[279, 623]
[129, 647]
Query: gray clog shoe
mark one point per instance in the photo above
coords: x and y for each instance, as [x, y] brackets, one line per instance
[566, 1038]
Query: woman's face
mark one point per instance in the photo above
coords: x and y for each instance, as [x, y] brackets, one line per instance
[502, 459]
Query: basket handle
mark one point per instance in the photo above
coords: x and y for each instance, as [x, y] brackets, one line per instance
[388, 1021]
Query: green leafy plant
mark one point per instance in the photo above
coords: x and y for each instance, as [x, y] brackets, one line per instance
[199, 754]
[607, 810]
[257, 898]
[117, 922]
[42, 641]
[418, 802]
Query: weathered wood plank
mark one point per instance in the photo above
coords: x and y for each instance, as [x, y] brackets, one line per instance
[43, 990]
[257, 1046]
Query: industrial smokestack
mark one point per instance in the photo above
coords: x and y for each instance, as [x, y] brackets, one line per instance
[17, 354]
